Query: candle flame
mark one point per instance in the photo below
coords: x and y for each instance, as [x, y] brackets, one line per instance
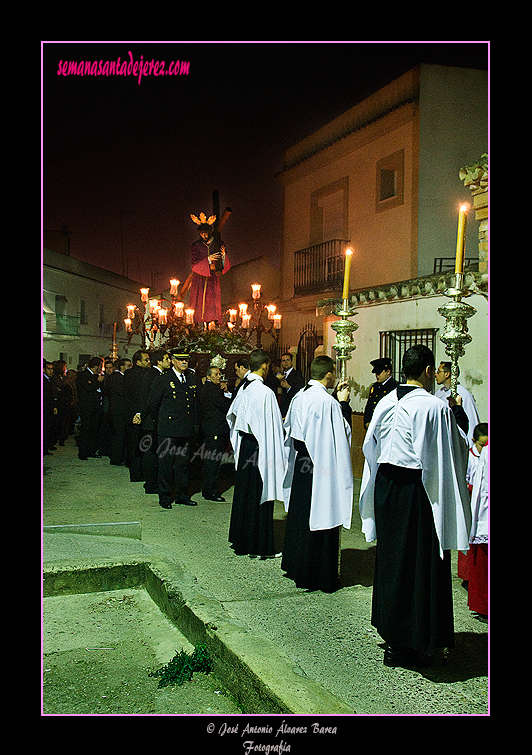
[349, 250]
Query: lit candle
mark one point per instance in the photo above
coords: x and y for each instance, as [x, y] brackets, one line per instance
[460, 241]
[162, 315]
[130, 311]
[245, 321]
[232, 315]
[154, 306]
[189, 316]
[144, 293]
[277, 321]
[230, 325]
[128, 325]
[347, 271]
[255, 290]
[243, 309]
[179, 307]
[174, 283]
[271, 310]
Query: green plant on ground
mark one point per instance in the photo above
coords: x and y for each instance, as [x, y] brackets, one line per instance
[183, 665]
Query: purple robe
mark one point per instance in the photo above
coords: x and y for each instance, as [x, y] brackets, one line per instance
[205, 290]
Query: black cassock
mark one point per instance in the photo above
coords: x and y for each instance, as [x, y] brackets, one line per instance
[251, 525]
[310, 557]
[412, 587]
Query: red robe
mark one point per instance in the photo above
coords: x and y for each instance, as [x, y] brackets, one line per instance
[205, 290]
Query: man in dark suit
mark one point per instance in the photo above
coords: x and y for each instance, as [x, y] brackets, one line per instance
[242, 371]
[116, 412]
[215, 401]
[173, 398]
[290, 382]
[385, 383]
[133, 379]
[49, 406]
[89, 387]
[160, 364]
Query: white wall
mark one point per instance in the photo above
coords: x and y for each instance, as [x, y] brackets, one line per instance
[414, 313]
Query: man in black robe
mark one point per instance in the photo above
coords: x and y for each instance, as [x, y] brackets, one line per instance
[414, 502]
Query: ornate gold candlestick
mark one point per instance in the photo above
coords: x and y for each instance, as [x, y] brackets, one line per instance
[343, 343]
[456, 334]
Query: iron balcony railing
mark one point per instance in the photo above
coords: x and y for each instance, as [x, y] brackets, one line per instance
[319, 268]
[61, 325]
[445, 264]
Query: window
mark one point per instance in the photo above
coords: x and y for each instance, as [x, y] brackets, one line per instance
[60, 305]
[328, 212]
[390, 182]
[388, 186]
[394, 343]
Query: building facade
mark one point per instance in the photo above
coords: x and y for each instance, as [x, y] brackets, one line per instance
[84, 306]
[382, 179]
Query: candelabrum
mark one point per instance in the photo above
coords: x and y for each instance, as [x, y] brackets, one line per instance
[168, 326]
[343, 343]
[456, 334]
[158, 322]
[252, 322]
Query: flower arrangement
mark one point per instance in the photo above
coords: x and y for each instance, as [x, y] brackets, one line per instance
[213, 342]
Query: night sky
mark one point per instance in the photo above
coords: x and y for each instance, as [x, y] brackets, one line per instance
[142, 157]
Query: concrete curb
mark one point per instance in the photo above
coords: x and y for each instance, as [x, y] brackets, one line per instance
[260, 678]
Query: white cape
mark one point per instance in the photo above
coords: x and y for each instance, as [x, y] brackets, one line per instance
[480, 500]
[255, 410]
[315, 418]
[420, 432]
[468, 405]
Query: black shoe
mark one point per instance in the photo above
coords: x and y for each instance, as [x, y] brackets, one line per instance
[407, 658]
[187, 502]
[165, 505]
[217, 498]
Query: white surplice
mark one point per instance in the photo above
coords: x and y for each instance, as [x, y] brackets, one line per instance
[420, 432]
[316, 419]
[255, 411]
[480, 500]
[468, 405]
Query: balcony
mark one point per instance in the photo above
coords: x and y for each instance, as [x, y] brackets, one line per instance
[61, 325]
[446, 264]
[319, 268]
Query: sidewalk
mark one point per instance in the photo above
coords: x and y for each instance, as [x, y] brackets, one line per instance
[327, 639]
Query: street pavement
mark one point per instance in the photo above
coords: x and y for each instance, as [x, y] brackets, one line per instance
[326, 639]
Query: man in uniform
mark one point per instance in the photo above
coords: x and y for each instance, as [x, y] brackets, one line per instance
[173, 399]
[382, 368]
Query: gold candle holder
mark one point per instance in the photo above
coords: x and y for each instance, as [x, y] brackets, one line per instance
[343, 343]
[456, 334]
